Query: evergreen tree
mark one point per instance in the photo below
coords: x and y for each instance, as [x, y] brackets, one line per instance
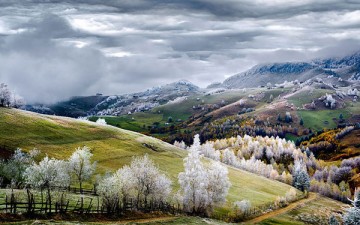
[352, 215]
[301, 122]
[333, 220]
[301, 179]
[341, 116]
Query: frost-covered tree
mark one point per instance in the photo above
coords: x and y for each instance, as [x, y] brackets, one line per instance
[218, 183]
[101, 121]
[142, 181]
[209, 151]
[333, 220]
[301, 179]
[228, 157]
[109, 190]
[126, 180]
[80, 165]
[352, 215]
[148, 180]
[243, 205]
[288, 117]
[356, 202]
[5, 95]
[17, 101]
[202, 187]
[47, 175]
[180, 144]
[9, 98]
[353, 92]
[313, 105]
[193, 181]
[15, 167]
[329, 101]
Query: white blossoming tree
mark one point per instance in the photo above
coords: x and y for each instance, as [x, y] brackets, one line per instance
[101, 121]
[15, 167]
[109, 190]
[47, 175]
[202, 187]
[148, 180]
[80, 165]
[5, 95]
[141, 180]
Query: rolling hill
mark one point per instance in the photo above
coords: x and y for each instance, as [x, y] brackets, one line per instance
[113, 147]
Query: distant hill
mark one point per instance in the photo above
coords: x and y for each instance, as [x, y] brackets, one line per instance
[347, 68]
[118, 104]
[75, 107]
[144, 101]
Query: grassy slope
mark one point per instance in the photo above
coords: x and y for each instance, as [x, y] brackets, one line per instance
[321, 118]
[180, 110]
[316, 120]
[112, 148]
[321, 208]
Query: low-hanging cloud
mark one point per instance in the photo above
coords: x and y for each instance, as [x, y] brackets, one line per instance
[52, 50]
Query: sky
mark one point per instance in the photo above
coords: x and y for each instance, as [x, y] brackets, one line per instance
[51, 50]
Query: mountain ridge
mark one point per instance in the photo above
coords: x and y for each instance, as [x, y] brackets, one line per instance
[346, 68]
[333, 71]
[80, 106]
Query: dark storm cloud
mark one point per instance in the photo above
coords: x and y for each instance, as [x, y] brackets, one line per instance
[51, 50]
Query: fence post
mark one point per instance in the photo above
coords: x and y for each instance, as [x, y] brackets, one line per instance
[33, 203]
[67, 205]
[12, 198]
[82, 205]
[98, 204]
[29, 200]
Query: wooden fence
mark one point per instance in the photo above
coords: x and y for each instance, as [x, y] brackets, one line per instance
[78, 191]
[85, 204]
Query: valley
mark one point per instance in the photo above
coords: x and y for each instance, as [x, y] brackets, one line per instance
[263, 135]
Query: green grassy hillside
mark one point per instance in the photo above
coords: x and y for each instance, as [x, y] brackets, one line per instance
[315, 212]
[113, 147]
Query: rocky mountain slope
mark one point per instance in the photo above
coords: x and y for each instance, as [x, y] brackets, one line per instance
[144, 101]
[344, 70]
[330, 73]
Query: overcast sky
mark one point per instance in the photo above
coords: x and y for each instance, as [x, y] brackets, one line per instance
[52, 49]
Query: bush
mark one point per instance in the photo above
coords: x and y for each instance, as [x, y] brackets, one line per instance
[290, 196]
[242, 206]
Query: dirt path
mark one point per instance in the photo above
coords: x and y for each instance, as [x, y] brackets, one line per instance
[142, 221]
[312, 197]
